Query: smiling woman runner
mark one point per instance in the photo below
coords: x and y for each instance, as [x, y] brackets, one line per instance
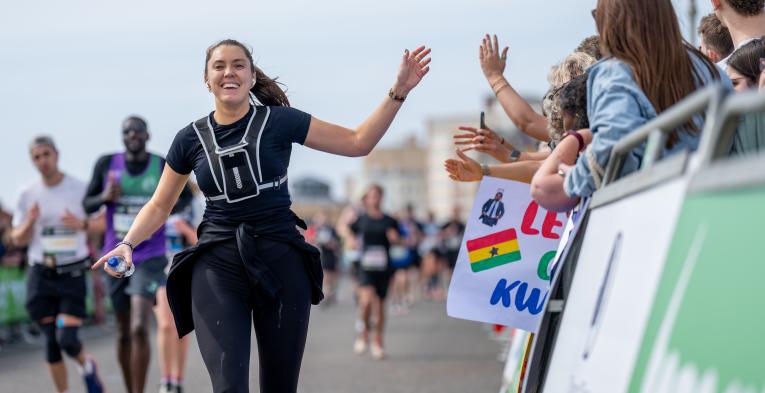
[251, 264]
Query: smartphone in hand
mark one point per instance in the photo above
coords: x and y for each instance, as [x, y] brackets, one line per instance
[483, 122]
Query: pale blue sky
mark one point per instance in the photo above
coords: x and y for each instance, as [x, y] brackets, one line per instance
[75, 69]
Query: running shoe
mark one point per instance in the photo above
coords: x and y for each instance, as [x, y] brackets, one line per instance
[166, 387]
[378, 353]
[90, 376]
[359, 346]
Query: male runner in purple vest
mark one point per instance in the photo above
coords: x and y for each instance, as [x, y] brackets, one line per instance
[123, 183]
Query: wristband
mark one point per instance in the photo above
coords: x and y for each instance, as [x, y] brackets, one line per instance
[496, 81]
[485, 169]
[502, 86]
[578, 137]
[127, 243]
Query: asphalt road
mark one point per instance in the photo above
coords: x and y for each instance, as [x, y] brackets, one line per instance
[427, 352]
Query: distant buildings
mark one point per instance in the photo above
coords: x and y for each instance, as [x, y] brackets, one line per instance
[401, 171]
[311, 196]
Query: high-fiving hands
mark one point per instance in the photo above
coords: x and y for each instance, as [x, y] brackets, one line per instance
[492, 61]
[483, 140]
[414, 66]
[464, 169]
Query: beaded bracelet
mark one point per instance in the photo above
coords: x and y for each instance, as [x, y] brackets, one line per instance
[394, 97]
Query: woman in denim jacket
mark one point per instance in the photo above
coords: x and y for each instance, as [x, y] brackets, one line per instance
[648, 69]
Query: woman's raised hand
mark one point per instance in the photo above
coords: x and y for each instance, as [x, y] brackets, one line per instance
[414, 66]
[483, 140]
[492, 62]
[464, 169]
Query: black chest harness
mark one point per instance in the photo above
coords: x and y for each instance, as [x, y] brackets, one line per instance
[231, 166]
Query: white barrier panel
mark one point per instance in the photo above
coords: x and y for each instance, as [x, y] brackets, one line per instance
[601, 330]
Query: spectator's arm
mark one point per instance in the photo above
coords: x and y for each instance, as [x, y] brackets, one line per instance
[547, 184]
[519, 111]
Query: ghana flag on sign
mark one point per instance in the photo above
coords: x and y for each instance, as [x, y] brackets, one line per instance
[493, 250]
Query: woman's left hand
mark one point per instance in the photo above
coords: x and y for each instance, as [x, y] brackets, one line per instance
[414, 67]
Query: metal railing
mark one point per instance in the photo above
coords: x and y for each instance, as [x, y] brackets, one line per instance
[716, 171]
[654, 167]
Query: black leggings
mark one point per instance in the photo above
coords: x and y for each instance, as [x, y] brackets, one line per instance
[224, 305]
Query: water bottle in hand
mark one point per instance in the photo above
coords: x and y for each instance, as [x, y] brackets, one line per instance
[118, 265]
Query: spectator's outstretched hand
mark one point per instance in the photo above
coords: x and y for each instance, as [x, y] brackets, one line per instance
[483, 140]
[414, 66]
[492, 61]
[464, 169]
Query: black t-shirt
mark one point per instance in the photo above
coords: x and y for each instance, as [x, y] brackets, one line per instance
[373, 230]
[284, 127]
[453, 231]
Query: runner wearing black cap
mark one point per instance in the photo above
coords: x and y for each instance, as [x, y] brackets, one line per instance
[251, 265]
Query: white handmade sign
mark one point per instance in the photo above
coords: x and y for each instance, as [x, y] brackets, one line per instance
[502, 274]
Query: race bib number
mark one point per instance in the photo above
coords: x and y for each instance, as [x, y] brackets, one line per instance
[125, 213]
[323, 236]
[122, 223]
[399, 253]
[58, 243]
[374, 258]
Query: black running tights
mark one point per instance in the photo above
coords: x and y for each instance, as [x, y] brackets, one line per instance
[224, 306]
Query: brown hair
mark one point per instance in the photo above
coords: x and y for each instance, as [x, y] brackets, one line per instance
[715, 35]
[747, 7]
[746, 60]
[646, 36]
[266, 89]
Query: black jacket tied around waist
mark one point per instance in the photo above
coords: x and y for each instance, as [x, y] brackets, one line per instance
[258, 274]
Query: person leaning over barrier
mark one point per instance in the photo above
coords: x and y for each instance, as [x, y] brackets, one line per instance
[626, 90]
[251, 265]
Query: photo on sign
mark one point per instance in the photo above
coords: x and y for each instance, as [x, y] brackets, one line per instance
[493, 210]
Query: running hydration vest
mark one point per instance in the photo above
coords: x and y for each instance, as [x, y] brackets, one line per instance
[232, 166]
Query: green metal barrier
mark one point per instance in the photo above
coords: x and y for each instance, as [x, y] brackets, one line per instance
[12, 295]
